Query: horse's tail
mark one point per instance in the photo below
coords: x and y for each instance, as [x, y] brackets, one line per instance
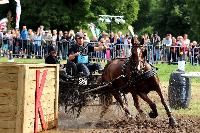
[105, 101]
[106, 98]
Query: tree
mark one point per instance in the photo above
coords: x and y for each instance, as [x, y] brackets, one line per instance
[144, 18]
[72, 14]
[194, 7]
[127, 8]
[8, 10]
[171, 17]
[62, 14]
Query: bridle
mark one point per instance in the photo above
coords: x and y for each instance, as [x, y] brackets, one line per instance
[135, 64]
[142, 74]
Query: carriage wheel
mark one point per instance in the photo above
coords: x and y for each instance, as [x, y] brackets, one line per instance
[75, 104]
[62, 93]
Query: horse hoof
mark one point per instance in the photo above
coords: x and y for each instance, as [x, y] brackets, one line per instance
[172, 122]
[129, 116]
[153, 115]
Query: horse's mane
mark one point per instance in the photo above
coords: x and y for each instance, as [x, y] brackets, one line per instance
[108, 63]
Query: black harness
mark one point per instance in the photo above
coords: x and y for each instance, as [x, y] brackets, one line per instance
[134, 78]
[142, 76]
[137, 75]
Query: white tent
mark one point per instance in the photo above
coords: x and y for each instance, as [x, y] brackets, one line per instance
[18, 13]
[4, 1]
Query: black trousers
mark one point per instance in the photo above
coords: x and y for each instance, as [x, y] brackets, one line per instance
[74, 68]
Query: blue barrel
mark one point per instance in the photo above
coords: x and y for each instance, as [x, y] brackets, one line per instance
[179, 91]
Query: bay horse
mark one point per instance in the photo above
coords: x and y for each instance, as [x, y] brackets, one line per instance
[136, 76]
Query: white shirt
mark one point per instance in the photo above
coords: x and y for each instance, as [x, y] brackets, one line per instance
[54, 38]
[186, 42]
[1, 35]
[167, 42]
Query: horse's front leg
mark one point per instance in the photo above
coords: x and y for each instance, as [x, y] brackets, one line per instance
[154, 112]
[172, 120]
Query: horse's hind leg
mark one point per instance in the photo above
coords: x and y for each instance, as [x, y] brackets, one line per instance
[118, 98]
[136, 102]
[172, 120]
[125, 99]
[106, 101]
[154, 112]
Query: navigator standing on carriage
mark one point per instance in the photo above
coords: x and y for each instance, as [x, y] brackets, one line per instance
[78, 60]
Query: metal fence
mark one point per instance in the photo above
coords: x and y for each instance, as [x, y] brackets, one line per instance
[40, 48]
[33, 48]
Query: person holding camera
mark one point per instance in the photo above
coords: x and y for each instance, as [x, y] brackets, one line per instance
[52, 57]
[156, 46]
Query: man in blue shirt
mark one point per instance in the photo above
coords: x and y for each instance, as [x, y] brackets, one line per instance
[24, 33]
[24, 37]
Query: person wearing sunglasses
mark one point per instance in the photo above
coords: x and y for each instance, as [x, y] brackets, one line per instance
[76, 50]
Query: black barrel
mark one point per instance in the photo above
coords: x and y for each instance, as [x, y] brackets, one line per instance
[179, 91]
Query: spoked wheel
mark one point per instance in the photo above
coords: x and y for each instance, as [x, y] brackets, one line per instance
[65, 90]
[74, 96]
[73, 109]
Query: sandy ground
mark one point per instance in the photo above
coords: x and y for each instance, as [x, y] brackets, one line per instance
[115, 122]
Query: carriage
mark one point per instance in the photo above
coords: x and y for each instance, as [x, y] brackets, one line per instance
[76, 90]
[120, 76]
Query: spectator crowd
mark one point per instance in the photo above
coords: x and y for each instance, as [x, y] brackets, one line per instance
[37, 44]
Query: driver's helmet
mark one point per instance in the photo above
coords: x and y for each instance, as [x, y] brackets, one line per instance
[79, 34]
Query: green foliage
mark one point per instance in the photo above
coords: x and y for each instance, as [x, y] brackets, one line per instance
[5, 9]
[165, 16]
[171, 17]
[148, 30]
[75, 14]
[144, 18]
[127, 8]
[194, 8]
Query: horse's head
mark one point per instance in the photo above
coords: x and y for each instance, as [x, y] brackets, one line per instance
[137, 58]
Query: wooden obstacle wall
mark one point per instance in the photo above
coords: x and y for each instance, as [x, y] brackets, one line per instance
[18, 96]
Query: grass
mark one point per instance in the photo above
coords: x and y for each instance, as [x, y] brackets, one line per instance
[21, 60]
[31, 61]
[164, 71]
[194, 105]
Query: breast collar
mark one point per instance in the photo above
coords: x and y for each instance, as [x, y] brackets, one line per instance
[137, 76]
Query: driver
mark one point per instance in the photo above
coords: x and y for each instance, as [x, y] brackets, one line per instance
[75, 51]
